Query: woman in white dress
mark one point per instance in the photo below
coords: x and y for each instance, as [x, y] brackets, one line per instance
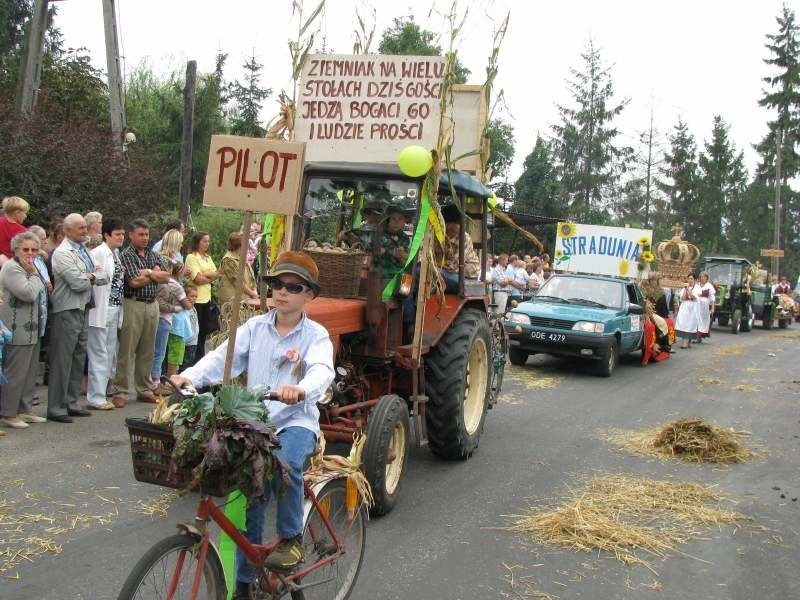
[706, 298]
[686, 322]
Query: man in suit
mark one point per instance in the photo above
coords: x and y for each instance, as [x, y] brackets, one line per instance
[75, 273]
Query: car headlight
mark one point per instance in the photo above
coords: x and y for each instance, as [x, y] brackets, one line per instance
[516, 317]
[589, 326]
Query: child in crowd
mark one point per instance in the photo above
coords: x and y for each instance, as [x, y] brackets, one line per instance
[171, 299]
[194, 323]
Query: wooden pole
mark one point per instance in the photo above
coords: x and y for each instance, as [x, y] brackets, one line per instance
[237, 300]
[776, 261]
[31, 67]
[115, 97]
[185, 184]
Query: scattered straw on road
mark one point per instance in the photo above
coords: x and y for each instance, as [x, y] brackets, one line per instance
[624, 514]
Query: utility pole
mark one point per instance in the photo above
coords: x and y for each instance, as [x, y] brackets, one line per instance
[185, 184]
[115, 96]
[776, 261]
[31, 67]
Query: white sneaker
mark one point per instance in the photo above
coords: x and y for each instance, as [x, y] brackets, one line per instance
[28, 418]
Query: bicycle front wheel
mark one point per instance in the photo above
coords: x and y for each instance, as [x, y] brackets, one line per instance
[334, 581]
[175, 559]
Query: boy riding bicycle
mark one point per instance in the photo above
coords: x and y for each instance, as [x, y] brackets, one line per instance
[292, 355]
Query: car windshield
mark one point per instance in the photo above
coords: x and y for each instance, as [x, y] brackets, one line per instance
[342, 203]
[725, 273]
[574, 289]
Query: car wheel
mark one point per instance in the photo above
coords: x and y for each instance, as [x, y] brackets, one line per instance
[517, 357]
[609, 360]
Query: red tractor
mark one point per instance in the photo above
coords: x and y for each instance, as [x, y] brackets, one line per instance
[437, 379]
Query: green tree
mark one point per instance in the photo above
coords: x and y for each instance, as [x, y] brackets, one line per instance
[589, 161]
[405, 36]
[749, 212]
[14, 14]
[73, 90]
[679, 176]
[783, 97]
[501, 155]
[247, 98]
[154, 108]
[723, 179]
[538, 189]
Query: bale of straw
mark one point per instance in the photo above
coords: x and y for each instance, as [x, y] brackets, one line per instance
[695, 439]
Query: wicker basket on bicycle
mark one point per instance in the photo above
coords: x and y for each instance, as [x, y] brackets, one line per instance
[209, 448]
[339, 269]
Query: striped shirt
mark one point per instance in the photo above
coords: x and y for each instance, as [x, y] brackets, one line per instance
[133, 262]
[262, 352]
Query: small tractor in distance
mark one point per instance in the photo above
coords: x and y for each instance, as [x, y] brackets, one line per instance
[383, 387]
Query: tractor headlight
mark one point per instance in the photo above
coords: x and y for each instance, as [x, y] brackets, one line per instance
[589, 327]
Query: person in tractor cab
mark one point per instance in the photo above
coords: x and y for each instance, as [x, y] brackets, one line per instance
[472, 264]
[292, 355]
[394, 240]
[374, 210]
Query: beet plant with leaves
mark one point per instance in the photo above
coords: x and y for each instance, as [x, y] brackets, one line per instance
[228, 431]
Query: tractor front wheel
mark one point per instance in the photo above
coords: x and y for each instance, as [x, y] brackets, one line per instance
[748, 320]
[457, 381]
[385, 452]
[736, 321]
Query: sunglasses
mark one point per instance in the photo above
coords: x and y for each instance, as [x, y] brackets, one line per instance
[292, 288]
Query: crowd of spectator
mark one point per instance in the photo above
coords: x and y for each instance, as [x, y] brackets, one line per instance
[515, 277]
[102, 309]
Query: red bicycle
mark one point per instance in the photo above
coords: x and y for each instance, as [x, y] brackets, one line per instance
[187, 565]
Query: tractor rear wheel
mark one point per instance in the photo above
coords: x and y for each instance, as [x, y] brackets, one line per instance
[385, 452]
[457, 382]
[722, 320]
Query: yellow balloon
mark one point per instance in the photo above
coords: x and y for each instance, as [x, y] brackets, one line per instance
[414, 161]
[493, 201]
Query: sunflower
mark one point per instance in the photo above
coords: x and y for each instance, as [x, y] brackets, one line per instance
[624, 265]
[648, 256]
[567, 230]
[643, 241]
[558, 253]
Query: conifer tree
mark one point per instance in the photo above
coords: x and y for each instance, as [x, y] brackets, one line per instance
[783, 97]
[247, 97]
[589, 161]
[679, 176]
[723, 180]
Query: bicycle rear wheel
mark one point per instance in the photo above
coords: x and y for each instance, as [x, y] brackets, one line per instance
[151, 577]
[336, 580]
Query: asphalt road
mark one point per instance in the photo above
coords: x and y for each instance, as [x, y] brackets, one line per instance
[71, 487]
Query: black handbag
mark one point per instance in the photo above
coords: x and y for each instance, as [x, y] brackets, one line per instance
[212, 317]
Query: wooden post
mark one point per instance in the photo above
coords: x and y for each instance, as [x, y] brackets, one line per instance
[237, 300]
[776, 261]
[185, 184]
[115, 97]
[31, 67]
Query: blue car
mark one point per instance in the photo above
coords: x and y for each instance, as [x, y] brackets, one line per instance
[590, 316]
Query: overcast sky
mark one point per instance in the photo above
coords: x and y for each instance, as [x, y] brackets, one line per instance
[688, 58]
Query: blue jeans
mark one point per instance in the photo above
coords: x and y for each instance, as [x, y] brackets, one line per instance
[160, 351]
[297, 444]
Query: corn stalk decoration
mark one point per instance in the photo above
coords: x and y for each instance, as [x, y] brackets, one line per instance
[281, 127]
